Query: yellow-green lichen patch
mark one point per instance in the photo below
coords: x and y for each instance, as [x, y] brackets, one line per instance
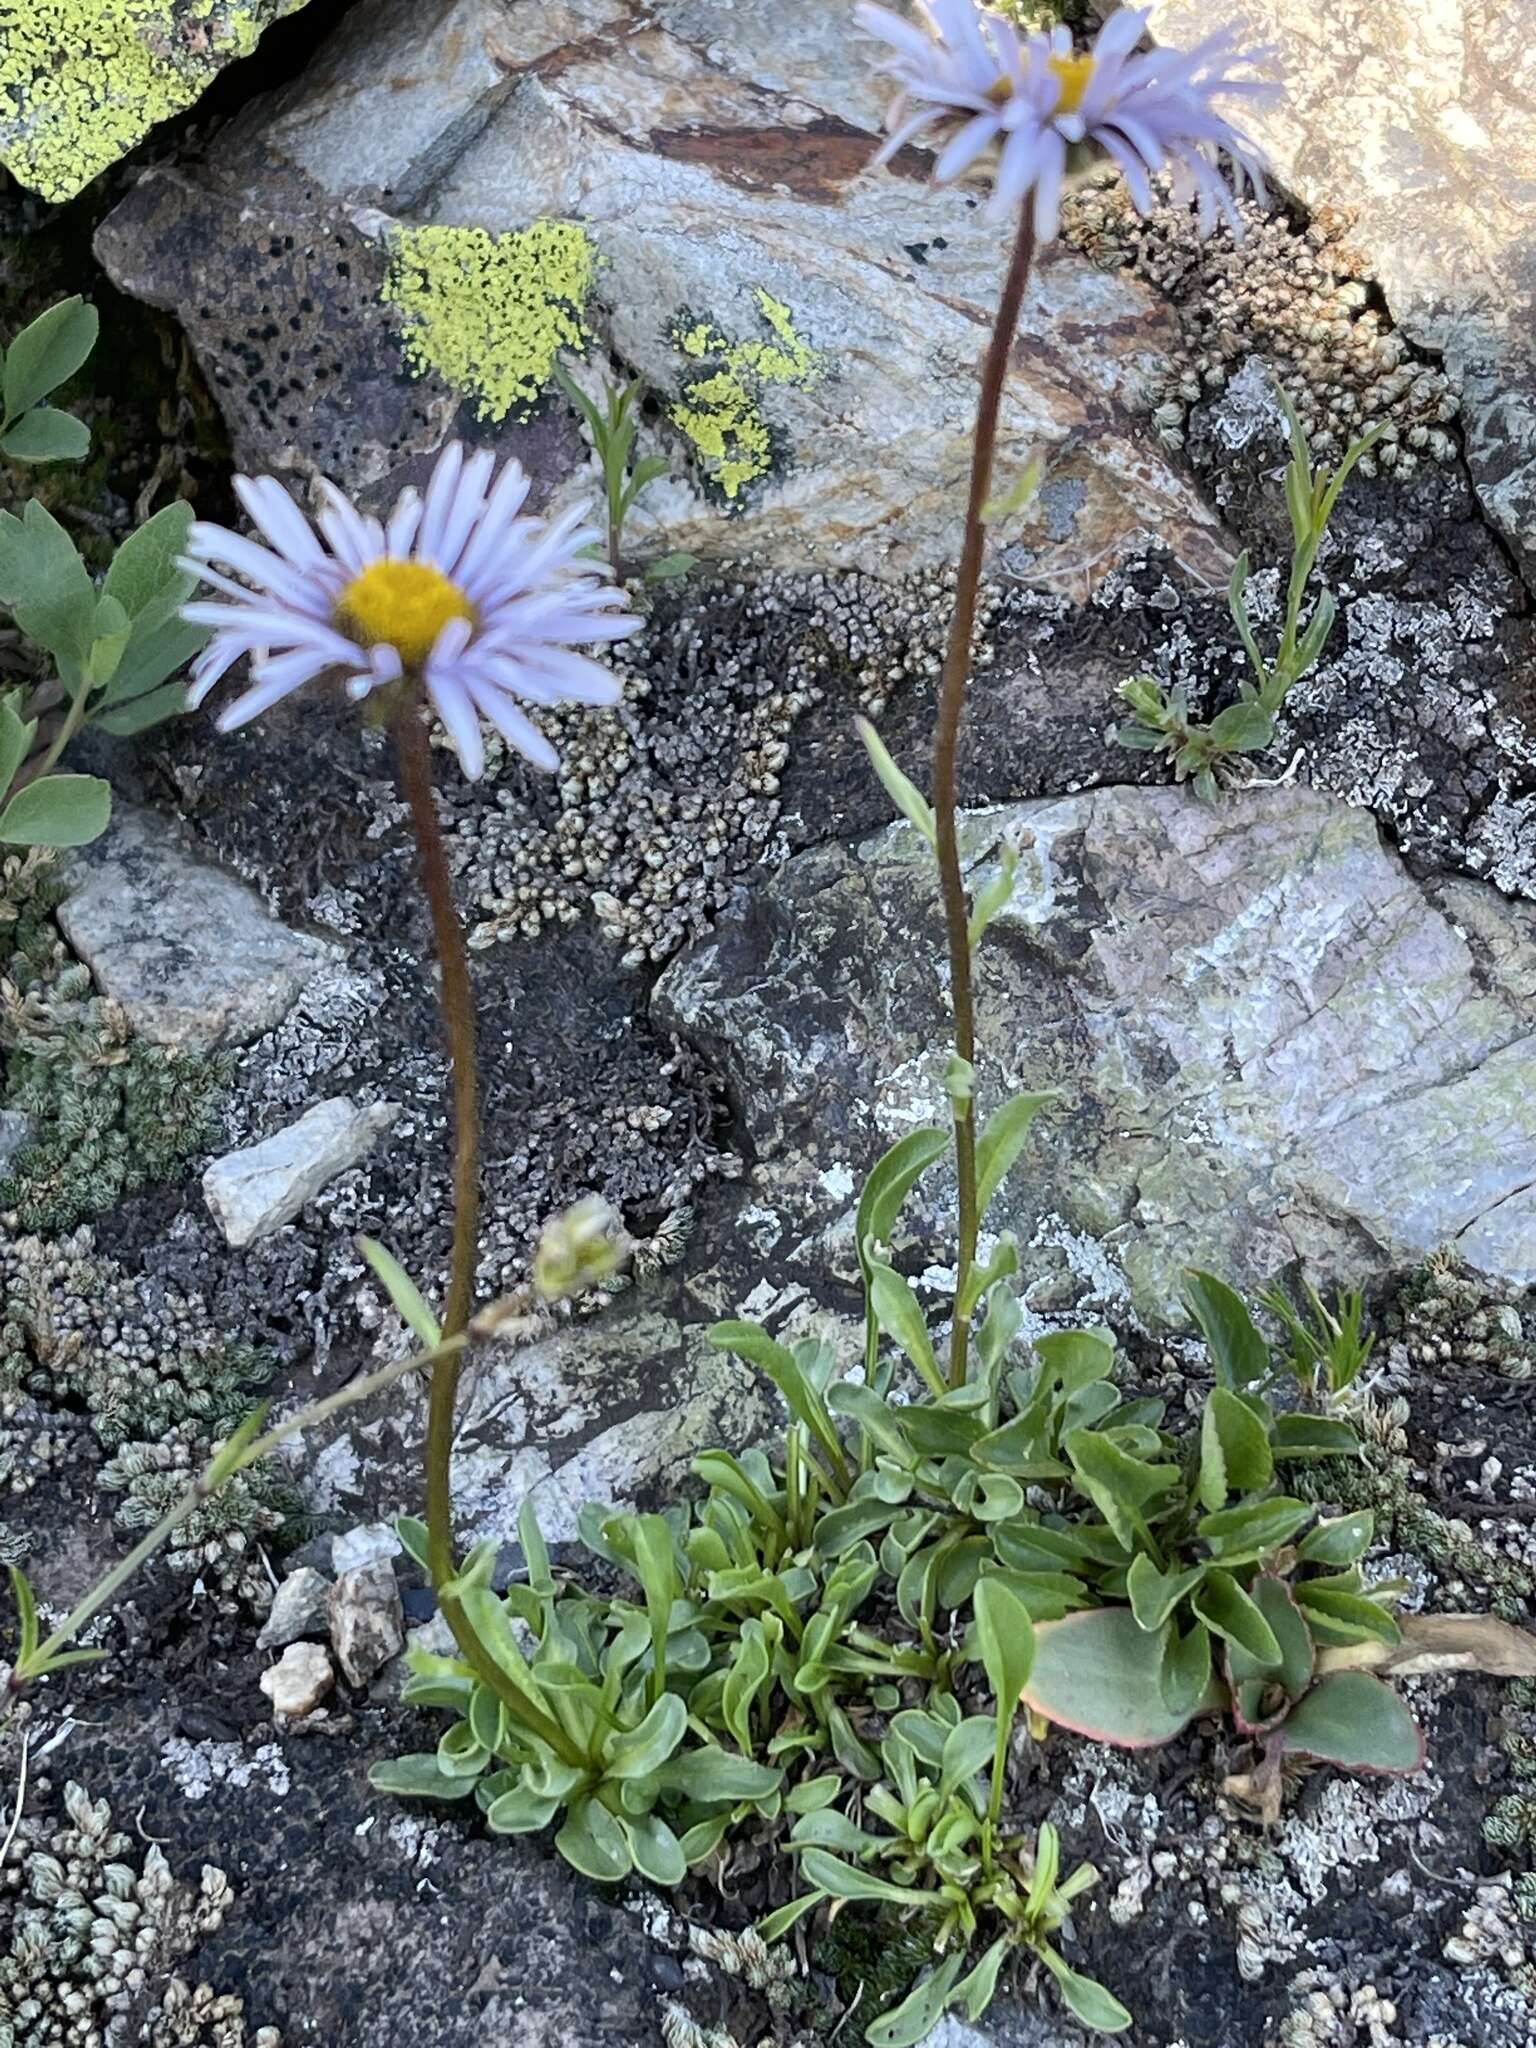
[720, 409]
[490, 313]
[83, 81]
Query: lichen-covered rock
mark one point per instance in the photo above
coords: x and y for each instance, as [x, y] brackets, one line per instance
[402, 244]
[1417, 120]
[82, 81]
[367, 1621]
[1273, 1045]
[191, 956]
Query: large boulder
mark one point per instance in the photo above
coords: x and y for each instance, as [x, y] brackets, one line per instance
[83, 81]
[1273, 1045]
[458, 192]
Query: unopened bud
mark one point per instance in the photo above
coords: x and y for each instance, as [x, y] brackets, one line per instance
[578, 1249]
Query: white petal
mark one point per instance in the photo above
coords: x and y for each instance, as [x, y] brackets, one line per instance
[465, 513]
[441, 486]
[460, 720]
[517, 730]
[495, 528]
[403, 522]
[269, 507]
[964, 147]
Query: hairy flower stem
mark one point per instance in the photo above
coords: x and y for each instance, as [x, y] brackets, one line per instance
[957, 668]
[413, 760]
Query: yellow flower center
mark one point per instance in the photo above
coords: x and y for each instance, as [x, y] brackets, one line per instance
[404, 605]
[1074, 74]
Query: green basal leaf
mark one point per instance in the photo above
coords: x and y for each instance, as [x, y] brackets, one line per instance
[1357, 1722]
[1099, 1674]
[138, 714]
[418, 1777]
[715, 1777]
[1184, 1674]
[1299, 1436]
[843, 1881]
[829, 1829]
[520, 1812]
[145, 566]
[1118, 1485]
[1003, 1138]
[1227, 1611]
[1234, 1449]
[28, 1634]
[901, 790]
[16, 737]
[749, 1672]
[977, 1989]
[779, 1923]
[57, 810]
[47, 352]
[642, 1753]
[1085, 1996]
[668, 568]
[1241, 729]
[1340, 1617]
[1238, 1351]
[805, 1401]
[920, 2011]
[657, 1853]
[1242, 1534]
[1338, 1543]
[1154, 1594]
[47, 586]
[402, 1291]
[898, 1314]
[1288, 1625]
[47, 435]
[593, 1842]
[1005, 1638]
[1237, 604]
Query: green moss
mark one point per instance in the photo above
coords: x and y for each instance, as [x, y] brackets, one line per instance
[490, 313]
[109, 1112]
[1382, 1482]
[83, 81]
[874, 1957]
[720, 408]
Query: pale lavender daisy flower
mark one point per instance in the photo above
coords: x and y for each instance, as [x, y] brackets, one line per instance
[1035, 100]
[484, 605]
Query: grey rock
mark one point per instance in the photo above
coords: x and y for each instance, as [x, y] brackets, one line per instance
[1273, 1044]
[298, 1609]
[369, 1543]
[255, 1191]
[298, 1681]
[193, 956]
[720, 166]
[15, 1131]
[367, 1623]
[1417, 122]
[611, 1409]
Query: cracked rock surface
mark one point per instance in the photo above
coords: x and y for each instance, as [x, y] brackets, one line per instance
[795, 311]
[1272, 1043]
